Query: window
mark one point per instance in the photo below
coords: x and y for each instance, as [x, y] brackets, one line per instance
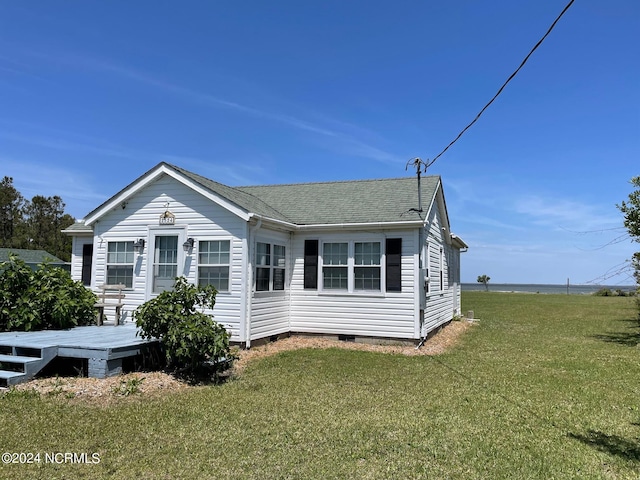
[120, 263]
[165, 263]
[366, 270]
[213, 263]
[427, 266]
[278, 267]
[335, 272]
[270, 267]
[263, 261]
[353, 266]
[441, 269]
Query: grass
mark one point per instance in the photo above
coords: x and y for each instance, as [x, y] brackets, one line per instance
[546, 386]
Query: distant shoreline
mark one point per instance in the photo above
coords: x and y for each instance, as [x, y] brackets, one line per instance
[544, 288]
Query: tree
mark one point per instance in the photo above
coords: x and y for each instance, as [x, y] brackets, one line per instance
[34, 224]
[11, 213]
[190, 338]
[45, 218]
[484, 279]
[43, 299]
[631, 212]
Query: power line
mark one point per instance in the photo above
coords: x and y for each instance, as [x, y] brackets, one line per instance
[504, 84]
[584, 232]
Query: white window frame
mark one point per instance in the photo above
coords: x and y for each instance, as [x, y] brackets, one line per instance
[271, 267]
[348, 266]
[441, 279]
[351, 266]
[428, 269]
[216, 265]
[121, 264]
[377, 267]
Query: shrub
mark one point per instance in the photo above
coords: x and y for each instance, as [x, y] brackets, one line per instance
[604, 292]
[43, 299]
[189, 337]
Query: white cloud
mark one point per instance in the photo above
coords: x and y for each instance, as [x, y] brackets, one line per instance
[564, 213]
[337, 140]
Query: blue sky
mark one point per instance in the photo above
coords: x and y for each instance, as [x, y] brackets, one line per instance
[93, 94]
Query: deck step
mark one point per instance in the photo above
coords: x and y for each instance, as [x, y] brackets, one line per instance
[18, 359]
[11, 378]
[23, 366]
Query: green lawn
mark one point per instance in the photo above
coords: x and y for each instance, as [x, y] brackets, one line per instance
[546, 386]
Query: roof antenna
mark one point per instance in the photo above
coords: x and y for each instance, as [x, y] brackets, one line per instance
[420, 167]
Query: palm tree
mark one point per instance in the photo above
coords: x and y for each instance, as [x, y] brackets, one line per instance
[484, 279]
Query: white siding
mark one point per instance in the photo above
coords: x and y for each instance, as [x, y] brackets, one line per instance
[440, 302]
[387, 314]
[196, 217]
[270, 310]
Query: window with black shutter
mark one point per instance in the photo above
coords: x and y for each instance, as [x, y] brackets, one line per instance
[311, 264]
[394, 264]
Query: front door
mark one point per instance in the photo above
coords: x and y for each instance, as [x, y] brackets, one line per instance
[165, 262]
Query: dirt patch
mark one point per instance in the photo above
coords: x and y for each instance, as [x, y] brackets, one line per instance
[439, 343]
[132, 385]
[105, 390]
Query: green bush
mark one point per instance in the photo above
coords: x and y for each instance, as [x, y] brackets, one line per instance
[43, 299]
[604, 292]
[190, 338]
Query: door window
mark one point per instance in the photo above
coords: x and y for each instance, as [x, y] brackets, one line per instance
[165, 263]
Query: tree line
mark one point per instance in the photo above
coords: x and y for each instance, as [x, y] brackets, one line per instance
[34, 224]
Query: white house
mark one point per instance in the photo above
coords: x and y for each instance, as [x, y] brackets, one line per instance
[354, 259]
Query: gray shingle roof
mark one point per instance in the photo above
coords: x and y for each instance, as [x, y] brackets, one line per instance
[29, 256]
[322, 203]
[360, 201]
[78, 227]
[244, 200]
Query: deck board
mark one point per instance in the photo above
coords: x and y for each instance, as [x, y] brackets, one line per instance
[107, 342]
[104, 337]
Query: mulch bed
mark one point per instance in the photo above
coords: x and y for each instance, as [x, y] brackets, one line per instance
[133, 385]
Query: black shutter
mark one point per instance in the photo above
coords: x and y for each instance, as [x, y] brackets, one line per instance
[394, 264]
[87, 261]
[311, 264]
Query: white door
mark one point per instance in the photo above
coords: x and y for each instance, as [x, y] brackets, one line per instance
[165, 262]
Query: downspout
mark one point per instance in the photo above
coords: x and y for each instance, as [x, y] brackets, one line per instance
[251, 245]
[422, 235]
[290, 274]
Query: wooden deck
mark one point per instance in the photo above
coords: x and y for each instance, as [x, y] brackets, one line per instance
[104, 347]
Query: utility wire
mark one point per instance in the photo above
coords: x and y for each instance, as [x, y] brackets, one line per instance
[503, 85]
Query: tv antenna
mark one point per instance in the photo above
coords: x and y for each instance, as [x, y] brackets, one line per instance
[421, 166]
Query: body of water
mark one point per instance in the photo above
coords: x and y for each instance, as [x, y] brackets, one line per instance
[545, 288]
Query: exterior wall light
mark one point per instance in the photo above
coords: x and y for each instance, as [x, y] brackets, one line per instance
[188, 245]
[138, 246]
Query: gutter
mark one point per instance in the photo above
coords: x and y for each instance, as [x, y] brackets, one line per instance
[339, 226]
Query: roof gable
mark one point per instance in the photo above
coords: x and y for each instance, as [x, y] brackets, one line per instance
[213, 191]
